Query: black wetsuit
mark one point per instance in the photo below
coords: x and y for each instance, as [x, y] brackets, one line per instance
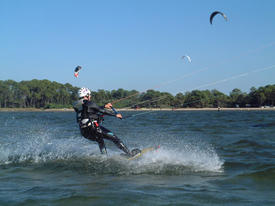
[89, 117]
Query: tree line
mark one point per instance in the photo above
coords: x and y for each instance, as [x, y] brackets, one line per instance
[51, 94]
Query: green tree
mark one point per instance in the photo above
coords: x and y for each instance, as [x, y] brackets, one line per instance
[238, 98]
[178, 100]
[197, 99]
[219, 99]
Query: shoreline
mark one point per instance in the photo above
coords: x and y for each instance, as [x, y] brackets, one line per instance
[141, 109]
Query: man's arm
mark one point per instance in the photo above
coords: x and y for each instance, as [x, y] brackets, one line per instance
[110, 106]
[94, 106]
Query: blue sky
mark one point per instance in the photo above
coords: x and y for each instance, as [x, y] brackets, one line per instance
[138, 44]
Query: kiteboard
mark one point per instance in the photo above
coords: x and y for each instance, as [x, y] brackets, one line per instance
[137, 153]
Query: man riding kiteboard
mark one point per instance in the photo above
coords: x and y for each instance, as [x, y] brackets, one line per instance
[89, 116]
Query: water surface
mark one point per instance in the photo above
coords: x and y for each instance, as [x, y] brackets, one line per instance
[205, 158]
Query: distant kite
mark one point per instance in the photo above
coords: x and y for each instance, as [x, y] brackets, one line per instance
[188, 57]
[215, 13]
[76, 71]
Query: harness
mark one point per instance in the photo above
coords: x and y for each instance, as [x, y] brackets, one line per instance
[87, 116]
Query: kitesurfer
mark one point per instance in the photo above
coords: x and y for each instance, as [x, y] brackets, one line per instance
[89, 116]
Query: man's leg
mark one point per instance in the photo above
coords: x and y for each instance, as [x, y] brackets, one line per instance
[91, 134]
[101, 145]
[107, 134]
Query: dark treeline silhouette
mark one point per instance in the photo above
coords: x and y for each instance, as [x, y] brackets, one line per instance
[36, 93]
[47, 94]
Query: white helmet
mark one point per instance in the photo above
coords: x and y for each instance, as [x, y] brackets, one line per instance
[83, 92]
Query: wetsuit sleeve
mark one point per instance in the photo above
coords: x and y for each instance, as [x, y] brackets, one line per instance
[78, 108]
[94, 106]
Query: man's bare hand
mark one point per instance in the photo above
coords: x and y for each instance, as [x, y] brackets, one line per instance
[108, 106]
[119, 116]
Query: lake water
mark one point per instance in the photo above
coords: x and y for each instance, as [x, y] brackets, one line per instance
[205, 158]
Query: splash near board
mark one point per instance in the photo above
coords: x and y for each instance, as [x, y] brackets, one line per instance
[137, 153]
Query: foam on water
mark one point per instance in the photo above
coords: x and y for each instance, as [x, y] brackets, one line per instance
[187, 152]
[190, 156]
[43, 146]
